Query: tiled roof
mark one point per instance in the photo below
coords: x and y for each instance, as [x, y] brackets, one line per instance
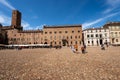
[61, 26]
[111, 24]
[94, 29]
[30, 31]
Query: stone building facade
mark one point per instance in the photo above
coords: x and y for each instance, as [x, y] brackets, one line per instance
[114, 30]
[62, 35]
[54, 35]
[96, 36]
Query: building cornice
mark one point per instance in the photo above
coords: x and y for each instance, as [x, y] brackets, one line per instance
[61, 26]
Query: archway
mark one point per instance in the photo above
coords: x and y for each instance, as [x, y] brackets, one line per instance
[101, 41]
[64, 42]
[45, 43]
[113, 40]
[1, 38]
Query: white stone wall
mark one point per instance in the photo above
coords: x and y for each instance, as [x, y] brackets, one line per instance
[114, 34]
[92, 40]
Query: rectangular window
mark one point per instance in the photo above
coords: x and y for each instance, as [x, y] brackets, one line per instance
[75, 42]
[55, 32]
[88, 36]
[75, 37]
[80, 42]
[45, 32]
[50, 32]
[60, 31]
[59, 43]
[55, 42]
[71, 42]
[88, 41]
[116, 40]
[91, 31]
[96, 35]
[66, 31]
[91, 35]
[67, 37]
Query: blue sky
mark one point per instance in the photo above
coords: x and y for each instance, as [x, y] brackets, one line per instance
[36, 13]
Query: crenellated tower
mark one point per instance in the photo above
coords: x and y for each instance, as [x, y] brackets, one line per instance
[16, 20]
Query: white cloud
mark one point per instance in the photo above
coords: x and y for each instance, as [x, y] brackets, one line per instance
[40, 27]
[113, 2]
[35, 17]
[5, 20]
[7, 4]
[112, 5]
[108, 10]
[26, 25]
[88, 24]
[2, 20]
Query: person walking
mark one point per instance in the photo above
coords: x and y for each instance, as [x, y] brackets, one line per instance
[76, 47]
[73, 49]
[82, 49]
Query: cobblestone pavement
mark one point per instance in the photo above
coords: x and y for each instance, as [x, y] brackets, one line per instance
[60, 64]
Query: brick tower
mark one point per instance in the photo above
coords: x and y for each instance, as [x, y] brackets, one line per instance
[16, 19]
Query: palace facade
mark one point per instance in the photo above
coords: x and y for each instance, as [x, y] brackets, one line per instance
[53, 35]
[114, 31]
[96, 36]
[62, 35]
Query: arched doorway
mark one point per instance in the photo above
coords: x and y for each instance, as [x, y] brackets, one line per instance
[113, 40]
[45, 43]
[1, 39]
[64, 42]
[101, 41]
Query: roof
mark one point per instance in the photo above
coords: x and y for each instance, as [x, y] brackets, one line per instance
[30, 31]
[94, 29]
[62, 26]
[111, 24]
[6, 27]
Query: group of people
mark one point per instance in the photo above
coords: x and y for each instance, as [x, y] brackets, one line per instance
[83, 48]
[103, 47]
[75, 48]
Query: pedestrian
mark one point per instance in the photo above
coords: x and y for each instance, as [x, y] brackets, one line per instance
[76, 47]
[82, 49]
[73, 49]
[102, 47]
